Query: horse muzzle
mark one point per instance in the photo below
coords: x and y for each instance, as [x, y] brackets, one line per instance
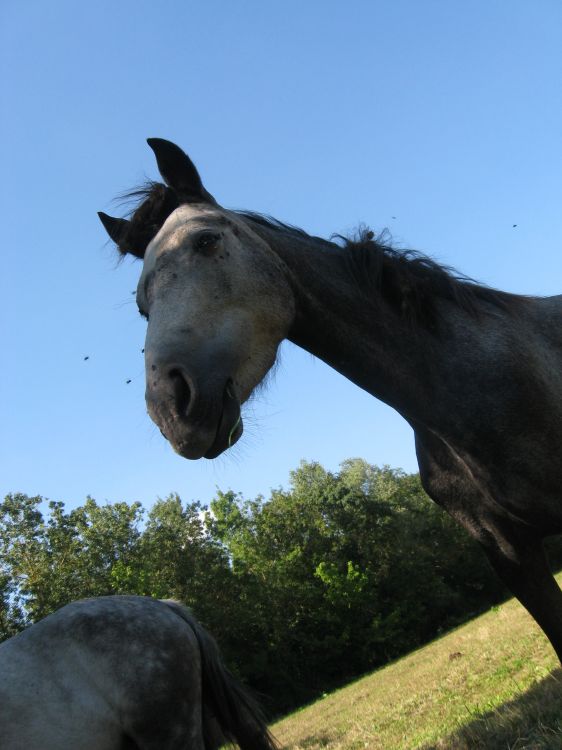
[198, 421]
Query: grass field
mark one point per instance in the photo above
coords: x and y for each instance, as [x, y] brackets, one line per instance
[493, 683]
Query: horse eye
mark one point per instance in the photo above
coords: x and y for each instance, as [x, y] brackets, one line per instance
[206, 241]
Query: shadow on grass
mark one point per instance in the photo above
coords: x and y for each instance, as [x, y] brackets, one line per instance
[530, 722]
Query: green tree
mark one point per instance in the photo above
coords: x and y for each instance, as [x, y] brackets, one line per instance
[21, 530]
[304, 590]
[69, 556]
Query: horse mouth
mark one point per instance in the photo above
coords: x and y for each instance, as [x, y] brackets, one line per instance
[201, 427]
[230, 427]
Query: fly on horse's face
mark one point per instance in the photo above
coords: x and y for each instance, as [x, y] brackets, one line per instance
[215, 319]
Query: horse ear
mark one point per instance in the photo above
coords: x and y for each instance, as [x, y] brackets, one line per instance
[179, 172]
[118, 230]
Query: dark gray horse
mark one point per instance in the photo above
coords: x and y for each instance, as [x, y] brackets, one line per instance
[122, 673]
[476, 372]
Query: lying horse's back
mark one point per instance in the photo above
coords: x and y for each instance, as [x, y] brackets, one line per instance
[120, 672]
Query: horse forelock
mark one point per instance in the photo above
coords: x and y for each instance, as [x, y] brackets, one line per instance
[154, 204]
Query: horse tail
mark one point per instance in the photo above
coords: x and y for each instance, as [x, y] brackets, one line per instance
[230, 712]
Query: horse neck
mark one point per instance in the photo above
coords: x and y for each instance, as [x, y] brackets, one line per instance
[349, 326]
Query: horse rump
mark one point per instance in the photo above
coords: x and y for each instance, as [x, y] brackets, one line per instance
[230, 712]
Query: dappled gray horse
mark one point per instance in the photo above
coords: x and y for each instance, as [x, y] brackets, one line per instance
[476, 372]
[122, 673]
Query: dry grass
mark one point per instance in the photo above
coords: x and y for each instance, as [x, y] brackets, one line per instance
[491, 684]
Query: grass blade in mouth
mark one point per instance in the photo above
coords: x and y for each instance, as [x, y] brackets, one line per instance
[232, 431]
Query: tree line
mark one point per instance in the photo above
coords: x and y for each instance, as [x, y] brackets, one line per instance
[304, 591]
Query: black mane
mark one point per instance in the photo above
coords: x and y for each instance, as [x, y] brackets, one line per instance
[411, 282]
[408, 281]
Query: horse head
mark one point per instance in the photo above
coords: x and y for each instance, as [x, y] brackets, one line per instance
[217, 300]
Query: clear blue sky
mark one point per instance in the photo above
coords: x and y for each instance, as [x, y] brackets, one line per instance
[444, 115]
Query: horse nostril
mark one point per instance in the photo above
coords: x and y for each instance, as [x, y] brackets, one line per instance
[182, 391]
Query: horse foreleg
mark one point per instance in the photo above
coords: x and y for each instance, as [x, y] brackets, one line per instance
[515, 551]
[522, 565]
